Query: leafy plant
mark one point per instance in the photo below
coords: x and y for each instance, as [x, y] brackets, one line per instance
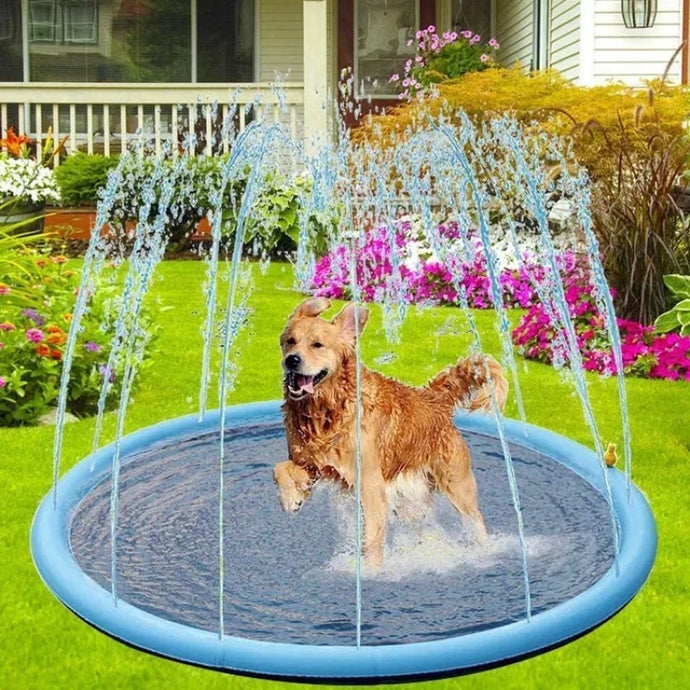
[273, 221]
[439, 58]
[33, 338]
[80, 176]
[15, 264]
[642, 230]
[677, 318]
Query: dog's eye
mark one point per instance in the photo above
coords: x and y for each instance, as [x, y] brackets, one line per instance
[290, 341]
[317, 344]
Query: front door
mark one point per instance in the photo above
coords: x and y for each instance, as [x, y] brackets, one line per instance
[372, 41]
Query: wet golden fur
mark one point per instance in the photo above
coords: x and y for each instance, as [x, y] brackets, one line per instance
[407, 432]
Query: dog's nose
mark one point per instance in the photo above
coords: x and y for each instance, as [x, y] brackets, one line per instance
[293, 361]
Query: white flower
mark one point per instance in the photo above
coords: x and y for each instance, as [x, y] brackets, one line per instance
[26, 179]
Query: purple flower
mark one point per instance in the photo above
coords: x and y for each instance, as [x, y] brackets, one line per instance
[35, 335]
[92, 347]
[34, 316]
[104, 371]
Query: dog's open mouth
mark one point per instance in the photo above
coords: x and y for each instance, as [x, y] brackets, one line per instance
[300, 385]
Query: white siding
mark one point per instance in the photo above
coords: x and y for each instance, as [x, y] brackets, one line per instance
[564, 37]
[632, 55]
[331, 11]
[280, 35]
[281, 46]
[514, 28]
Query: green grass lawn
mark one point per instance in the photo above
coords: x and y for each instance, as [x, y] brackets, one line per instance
[647, 645]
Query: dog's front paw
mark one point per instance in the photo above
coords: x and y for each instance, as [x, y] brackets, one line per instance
[294, 485]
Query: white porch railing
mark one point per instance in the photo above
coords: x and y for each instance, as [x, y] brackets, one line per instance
[106, 118]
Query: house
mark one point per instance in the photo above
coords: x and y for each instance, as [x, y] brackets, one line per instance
[100, 70]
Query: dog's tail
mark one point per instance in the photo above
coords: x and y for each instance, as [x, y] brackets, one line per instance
[469, 383]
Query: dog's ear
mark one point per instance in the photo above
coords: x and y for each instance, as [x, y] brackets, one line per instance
[312, 307]
[351, 321]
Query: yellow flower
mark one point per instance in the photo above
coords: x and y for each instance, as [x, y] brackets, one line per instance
[67, 317]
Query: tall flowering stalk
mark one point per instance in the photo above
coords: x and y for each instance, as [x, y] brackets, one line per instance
[439, 57]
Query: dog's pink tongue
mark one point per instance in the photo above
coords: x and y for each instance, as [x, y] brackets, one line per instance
[305, 383]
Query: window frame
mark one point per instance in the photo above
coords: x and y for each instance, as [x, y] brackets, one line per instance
[355, 55]
[71, 40]
[54, 26]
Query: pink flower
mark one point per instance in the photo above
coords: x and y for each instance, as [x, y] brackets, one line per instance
[475, 39]
[494, 43]
[431, 28]
[35, 335]
[466, 34]
[3, 381]
[394, 77]
[484, 57]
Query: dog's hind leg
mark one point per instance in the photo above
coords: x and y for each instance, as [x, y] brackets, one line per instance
[375, 511]
[454, 477]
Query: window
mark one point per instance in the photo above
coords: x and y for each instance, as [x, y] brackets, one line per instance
[225, 39]
[81, 22]
[383, 29]
[141, 41]
[11, 64]
[8, 21]
[471, 14]
[43, 26]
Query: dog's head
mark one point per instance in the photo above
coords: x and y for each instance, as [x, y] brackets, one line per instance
[314, 348]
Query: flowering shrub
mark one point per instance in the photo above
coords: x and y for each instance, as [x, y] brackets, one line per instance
[424, 279]
[28, 181]
[23, 178]
[33, 336]
[440, 57]
[644, 352]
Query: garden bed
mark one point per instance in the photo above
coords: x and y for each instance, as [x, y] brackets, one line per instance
[644, 646]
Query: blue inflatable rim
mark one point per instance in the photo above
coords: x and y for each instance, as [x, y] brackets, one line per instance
[61, 573]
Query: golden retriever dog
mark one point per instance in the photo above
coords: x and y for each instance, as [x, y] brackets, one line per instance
[409, 444]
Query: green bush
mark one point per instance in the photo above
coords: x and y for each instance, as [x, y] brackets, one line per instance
[273, 221]
[439, 58]
[543, 100]
[80, 177]
[678, 318]
[33, 335]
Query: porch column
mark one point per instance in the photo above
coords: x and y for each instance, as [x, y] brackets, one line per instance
[315, 73]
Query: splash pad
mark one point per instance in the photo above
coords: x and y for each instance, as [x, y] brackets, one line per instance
[228, 603]
[299, 590]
